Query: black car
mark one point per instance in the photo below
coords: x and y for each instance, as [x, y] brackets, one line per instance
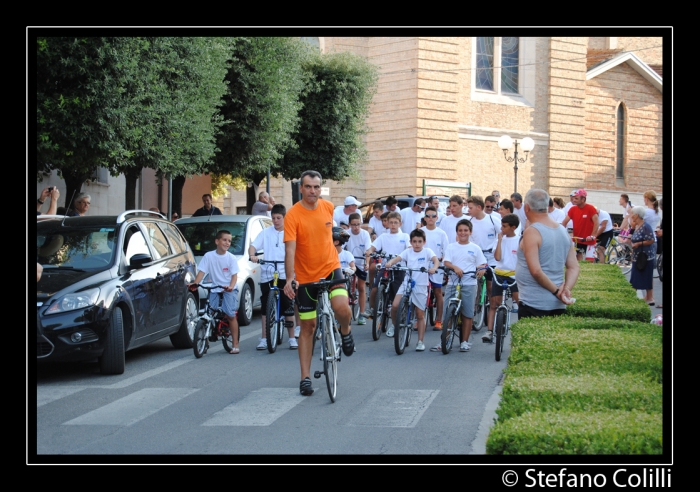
[111, 284]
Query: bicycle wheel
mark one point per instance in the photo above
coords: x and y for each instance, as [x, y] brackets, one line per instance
[660, 267]
[449, 330]
[272, 322]
[200, 342]
[227, 337]
[500, 331]
[330, 359]
[403, 326]
[621, 255]
[432, 308]
[479, 305]
[378, 313]
[354, 299]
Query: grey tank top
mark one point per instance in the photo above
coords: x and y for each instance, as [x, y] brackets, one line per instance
[553, 252]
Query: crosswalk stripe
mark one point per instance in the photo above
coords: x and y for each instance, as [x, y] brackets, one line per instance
[393, 408]
[47, 394]
[258, 408]
[133, 408]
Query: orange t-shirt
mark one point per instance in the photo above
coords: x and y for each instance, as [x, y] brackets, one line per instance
[315, 257]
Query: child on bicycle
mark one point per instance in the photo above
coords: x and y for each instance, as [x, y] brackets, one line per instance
[415, 257]
[222, 268]
[271, 241]
[347, 260]
[392, 243]
[357, 244]
[463, 257]
[506, 255]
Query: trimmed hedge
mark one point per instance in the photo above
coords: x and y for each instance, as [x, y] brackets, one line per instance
[576, 433]
[585, 393]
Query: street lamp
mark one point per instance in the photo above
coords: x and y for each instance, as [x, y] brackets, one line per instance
[505, 143]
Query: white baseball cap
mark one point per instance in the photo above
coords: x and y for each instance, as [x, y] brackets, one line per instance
[351, 200]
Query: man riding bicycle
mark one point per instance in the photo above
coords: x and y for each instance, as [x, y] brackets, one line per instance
[310, 253]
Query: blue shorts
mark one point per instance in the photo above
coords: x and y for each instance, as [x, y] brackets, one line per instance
[230, 304]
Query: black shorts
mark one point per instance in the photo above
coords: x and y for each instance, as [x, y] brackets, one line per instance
[605, 238]
[394, 286]
[286, 305]
[526, 311]
[307, 297]
[361, 274]
[497, 290]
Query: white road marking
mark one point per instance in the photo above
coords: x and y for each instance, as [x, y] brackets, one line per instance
[132, 408]
[394, 408]
[47, 394]
[260, 407]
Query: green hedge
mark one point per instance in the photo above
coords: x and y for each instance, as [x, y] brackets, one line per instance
[614, 432]
[585, 393]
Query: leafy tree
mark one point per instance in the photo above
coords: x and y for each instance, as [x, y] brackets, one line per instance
[333, 118]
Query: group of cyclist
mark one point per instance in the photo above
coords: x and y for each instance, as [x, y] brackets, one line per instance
[536, 250]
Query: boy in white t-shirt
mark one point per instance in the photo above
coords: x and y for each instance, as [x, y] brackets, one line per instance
[271, 242]
[435, 239]
[222, 268]
[464, 258]
[358, 243]
[392, 243]
[347, 260]
[415, 257]
[506, 254]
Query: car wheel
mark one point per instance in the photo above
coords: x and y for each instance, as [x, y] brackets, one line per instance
[245, 309]
[185, 335]
[112, 359]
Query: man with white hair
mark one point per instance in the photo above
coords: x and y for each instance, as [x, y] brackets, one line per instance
[263, 205]
[342, 212]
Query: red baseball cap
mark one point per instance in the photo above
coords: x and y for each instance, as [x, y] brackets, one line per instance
[581, 192]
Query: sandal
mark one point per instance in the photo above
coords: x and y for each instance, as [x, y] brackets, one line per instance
[305, 387]
[650, 303]
[348, 344]
[234, 350]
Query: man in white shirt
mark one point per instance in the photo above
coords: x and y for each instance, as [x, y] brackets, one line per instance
[411, 217]
[556, 214]
[605, 233]
[517, 200]
[449, 222]
[342, 212]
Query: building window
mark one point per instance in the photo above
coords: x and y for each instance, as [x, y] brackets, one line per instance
[504, 70]
[497, 64]
[620, 142]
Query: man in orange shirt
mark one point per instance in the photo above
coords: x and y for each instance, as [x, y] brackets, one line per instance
[310, 255]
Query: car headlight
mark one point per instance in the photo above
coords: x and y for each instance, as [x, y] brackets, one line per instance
[77, 300]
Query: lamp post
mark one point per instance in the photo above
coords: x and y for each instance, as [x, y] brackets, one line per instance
[505, 143]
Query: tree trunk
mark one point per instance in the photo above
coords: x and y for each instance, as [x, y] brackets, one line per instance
[251, 195]
[74, 183]
[178, 184]
[131, 176]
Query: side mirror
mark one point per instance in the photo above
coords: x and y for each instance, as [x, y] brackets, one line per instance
[139, 260]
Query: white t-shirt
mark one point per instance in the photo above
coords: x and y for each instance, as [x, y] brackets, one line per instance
[271, 242]
[340, 216]
[436, 240]
[392, 244]
[377, 226]
[603, 215]
[219, 267]
[557, 215]
[345, 258]
[509, 253]
[422, 258]
[398, 209]
[653, 218]
[357, 245]
[521, 215]
[570, 224]
[409, 218]
[485, 235]
[449, 225]
[467, 257]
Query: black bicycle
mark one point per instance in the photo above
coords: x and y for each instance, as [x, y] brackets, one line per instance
[382, 301]
[212, 325]
[274, 317]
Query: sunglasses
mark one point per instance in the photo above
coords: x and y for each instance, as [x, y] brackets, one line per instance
[430, 216]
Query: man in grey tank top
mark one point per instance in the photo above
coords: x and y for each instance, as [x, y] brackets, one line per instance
[544, 285]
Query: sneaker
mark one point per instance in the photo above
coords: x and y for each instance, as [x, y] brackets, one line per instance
[438, 326]
[293, 345]
[348, 344]
[296, 331]
[369, 313]
[262, 344]
[305, 387]
[436, 348]
[465, 346]
[487, 336]
[390, 331]
[420, 346]
[361, 320]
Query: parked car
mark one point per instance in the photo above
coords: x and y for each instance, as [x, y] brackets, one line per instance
[200, 233]
[404, 201]
[110, 284]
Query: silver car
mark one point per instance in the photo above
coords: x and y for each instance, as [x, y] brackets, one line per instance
[200, 233]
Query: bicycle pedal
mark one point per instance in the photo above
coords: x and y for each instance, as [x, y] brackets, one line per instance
[318, 374]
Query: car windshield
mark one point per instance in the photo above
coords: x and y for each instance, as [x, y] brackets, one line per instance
[201, 236]
[84, 248]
